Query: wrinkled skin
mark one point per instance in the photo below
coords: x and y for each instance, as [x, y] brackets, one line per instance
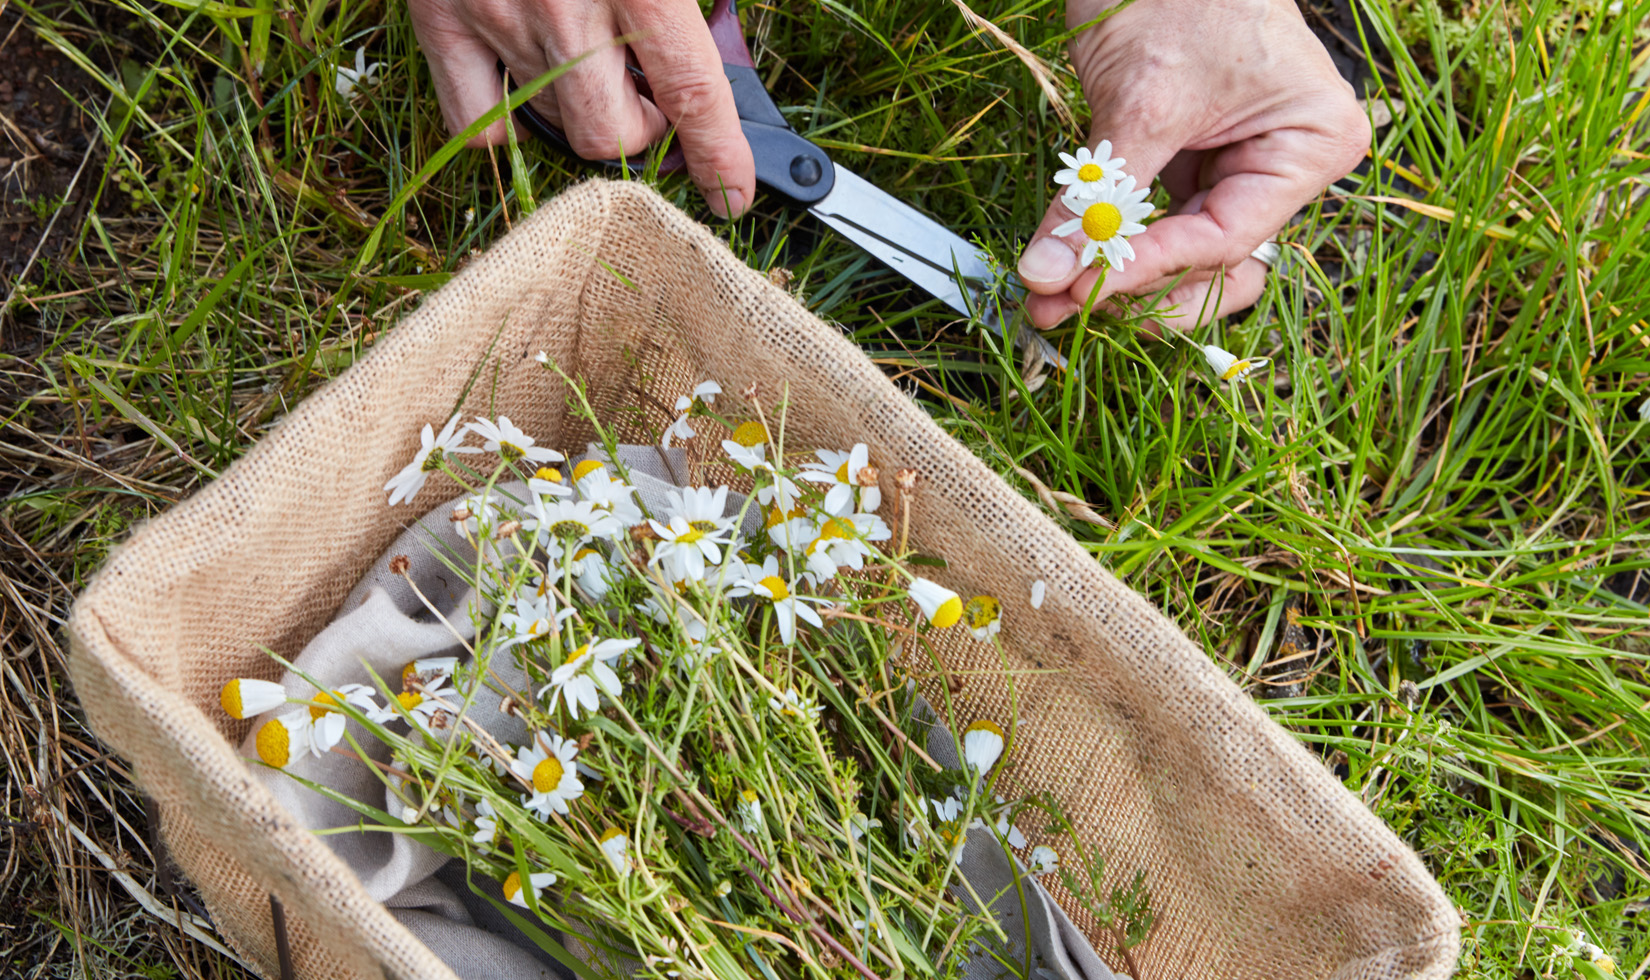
[1233, 103]
[1237, 107]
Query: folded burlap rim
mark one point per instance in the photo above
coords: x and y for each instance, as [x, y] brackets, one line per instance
[1261, 865]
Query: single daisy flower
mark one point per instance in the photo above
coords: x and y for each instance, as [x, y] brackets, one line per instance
[547, 765]
[566, 525]
[532, 619]
[486, 824]
[506, 440]
[346, 80]
[939, 605]
[750, 812]
[1089, 173]
[594, 574]
[616, 846]
[703, 394]
[587, 675]
[1038, 589]
[842, 471]
[1107, 219]
[694, 535]
[326, 722]
[793, 705]
[1229, 367]
[285, 739]
[247, 698]
[537, 881]
[1044, 860]
[982, 745]
[748, 447]
[432, 452]
[984, 616]
[843, 539]
[788, 607]
[423, 700]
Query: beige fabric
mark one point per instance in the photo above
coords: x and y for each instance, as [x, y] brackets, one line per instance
[1260, 864]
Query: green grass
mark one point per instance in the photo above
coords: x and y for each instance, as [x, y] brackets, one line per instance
[1439, 497]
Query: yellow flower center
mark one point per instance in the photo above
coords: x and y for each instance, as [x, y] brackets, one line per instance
[579, 555]
[985, 725]
[981, 611]
[1101, 221]
[432, 462]
[510, 452]
[547, 775]
[689, 536]
[512, 885]
[613, 833]
[776, 586]
[750, 434]
[948, 613]
[586, 468]
[1236, 370]
[834, 529]
[230, 698]
[1089, 173]
[410, 699]
[748, 796]
[570, 529]
[549, 473]
[842, 473]
[322, 702]
[275, 743]
[777, 516]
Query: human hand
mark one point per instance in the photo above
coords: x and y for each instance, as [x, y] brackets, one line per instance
[595, 102]
[1237, 106]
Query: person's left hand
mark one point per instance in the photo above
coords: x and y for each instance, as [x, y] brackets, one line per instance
[1240, 109]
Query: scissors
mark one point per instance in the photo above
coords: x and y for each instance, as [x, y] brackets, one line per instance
[942, 263]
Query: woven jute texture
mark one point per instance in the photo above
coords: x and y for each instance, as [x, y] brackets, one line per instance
[1260, 864]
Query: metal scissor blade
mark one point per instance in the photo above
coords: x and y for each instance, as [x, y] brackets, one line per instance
[925, 252]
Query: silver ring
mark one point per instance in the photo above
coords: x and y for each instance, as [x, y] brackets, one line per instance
[1267, 253]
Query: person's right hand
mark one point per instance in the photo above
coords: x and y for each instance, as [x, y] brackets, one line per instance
[595, 102]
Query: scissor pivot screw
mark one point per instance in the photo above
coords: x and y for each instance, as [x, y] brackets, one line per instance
[806, 171]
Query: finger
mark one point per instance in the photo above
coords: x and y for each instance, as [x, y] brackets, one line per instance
[1192, 304]
[465, 72]
[602, 113]
[684, 69]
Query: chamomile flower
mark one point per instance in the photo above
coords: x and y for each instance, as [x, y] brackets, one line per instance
[1038, 589]
[939, 605]
[248, 698]
[593, 572]
[532, 619]
[505, 439]
[750, 812]
[843, 540]
[607, 493]
[425, 699]
[1088, 173]
[587, 675]
[842, 471]
[546, 481]
[704, 393]
[615, 846]
[788, 606]
[345, 80]
[1230, 367]
[537, 881]
[432, 452]
[285, 739]
[1107, 219]
[793, 705]
[982, 745]
[748, 447]
[363, 699]
[486, 824]
[1044, 860]
[695, 534]
[566, 525]
[984, 616]
[547, 765]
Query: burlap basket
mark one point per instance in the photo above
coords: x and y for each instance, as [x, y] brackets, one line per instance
[1260, 864]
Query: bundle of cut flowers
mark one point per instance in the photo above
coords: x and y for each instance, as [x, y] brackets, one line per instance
[725, 772]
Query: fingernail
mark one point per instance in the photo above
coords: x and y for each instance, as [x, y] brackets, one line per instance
[1047, 260]
[725, 202]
